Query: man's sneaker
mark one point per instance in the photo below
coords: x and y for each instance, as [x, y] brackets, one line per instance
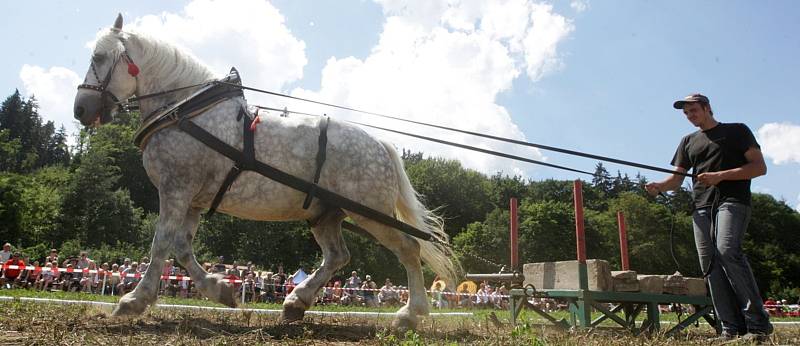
[754, 338]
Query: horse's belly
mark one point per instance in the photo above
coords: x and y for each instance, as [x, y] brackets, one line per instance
[256, 198]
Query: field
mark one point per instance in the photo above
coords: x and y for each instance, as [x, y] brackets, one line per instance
[32, 323]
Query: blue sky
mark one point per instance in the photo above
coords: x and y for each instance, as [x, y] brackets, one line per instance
[597, 76]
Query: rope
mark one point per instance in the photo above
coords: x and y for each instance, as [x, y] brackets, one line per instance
[513, 141]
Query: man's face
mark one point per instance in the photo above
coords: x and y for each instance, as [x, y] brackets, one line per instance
[696, 113]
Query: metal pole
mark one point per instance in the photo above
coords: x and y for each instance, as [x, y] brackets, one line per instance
[514, 225]
[581, 311]
[579, 232]
[623, 241]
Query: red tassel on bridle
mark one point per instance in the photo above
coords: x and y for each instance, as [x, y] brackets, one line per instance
[133, 70]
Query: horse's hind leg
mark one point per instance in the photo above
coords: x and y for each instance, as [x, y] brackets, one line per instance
[328, 233]
[172, 219]
[210, 285]
[407, 250]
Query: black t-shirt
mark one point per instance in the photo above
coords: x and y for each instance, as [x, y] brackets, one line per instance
[717, 149]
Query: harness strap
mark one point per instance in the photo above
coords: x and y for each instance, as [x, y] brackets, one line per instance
[321, 150]
[245, 164]
[296, 183]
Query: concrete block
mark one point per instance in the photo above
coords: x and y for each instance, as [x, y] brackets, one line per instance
[696, 287]
[651, 283]
[564, 275]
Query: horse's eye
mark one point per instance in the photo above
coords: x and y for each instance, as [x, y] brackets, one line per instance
[98, 58]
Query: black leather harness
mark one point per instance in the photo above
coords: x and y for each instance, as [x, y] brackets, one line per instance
[181, 114]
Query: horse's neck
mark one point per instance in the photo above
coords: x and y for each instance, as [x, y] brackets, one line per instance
[167, 69]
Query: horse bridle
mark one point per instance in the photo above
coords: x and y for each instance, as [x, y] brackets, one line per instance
[133, 70]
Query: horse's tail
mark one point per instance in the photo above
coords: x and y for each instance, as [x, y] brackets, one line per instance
[436, 252]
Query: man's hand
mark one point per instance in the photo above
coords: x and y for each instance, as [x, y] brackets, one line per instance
[710, 178]
[653, 188]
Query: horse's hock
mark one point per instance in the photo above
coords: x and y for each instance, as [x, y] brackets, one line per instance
[564, 275]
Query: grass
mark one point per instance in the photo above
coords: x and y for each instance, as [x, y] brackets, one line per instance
[37, 323]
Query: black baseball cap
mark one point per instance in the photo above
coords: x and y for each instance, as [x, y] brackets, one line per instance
[691, 99]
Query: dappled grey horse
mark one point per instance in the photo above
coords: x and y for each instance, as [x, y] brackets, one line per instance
[188, 175]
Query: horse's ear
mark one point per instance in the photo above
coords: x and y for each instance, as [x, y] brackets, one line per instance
[118, 22]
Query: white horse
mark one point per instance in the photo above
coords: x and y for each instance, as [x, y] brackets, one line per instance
[188, 174]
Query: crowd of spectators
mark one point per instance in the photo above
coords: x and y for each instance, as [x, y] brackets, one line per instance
[253, 285]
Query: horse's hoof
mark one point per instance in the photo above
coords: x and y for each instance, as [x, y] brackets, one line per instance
[227, 296]
[402, 325]
[128, 307]
[292, 314]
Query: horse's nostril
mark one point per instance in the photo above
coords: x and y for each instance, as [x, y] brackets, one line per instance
[79, 112]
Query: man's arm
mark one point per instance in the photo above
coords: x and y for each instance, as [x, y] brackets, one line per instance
[754, 167]
[672, 182]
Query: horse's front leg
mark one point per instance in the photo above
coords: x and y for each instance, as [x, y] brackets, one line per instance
[328, 234]
[171, 218]
[210, 285]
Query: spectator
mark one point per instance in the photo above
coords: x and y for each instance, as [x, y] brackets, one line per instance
[52, 257]
[249, 287]
[268, 288]
[166, 272]
[233, 278]
[184, 284]
[219, 267]
[11, 275]
[388, 295]
[125, 265]
[436, 296]
[289, 284]
[83, 261]
[70, 280]
[104, 278]
[128, 279]
[89, 279]
[5, 255]
[464, 300]
[143, 264]
[115, 279]
[368, 288]
[49, 276]
[351, 287]
[337, 292]
[33, 275]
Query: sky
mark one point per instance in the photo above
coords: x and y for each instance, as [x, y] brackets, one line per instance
[594, 76]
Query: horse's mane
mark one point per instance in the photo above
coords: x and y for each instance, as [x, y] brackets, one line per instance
[160, 58]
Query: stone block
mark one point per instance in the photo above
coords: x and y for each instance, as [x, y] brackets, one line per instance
[651, 283]
[696, 287]
[624, 281]
[564, 275]
[675, 284]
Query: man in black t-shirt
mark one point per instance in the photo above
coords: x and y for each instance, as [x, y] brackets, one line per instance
[724, 158]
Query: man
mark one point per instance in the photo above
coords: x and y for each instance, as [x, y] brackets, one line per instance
[724, 158]
[5, 255]
[11, 275]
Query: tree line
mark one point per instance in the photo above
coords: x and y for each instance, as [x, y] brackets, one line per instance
[96, 196]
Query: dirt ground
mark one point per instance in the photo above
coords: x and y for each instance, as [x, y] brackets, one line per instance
[27, 323]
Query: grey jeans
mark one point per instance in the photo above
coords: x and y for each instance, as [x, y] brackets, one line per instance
[733, 287]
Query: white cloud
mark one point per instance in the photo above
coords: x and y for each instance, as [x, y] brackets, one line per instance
[579, 5]
[250, 35]
[52, 87]
[445, 62]
[780, 142]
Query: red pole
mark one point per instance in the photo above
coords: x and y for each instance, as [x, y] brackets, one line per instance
[577, 191]
[514, 225]
[623, 241]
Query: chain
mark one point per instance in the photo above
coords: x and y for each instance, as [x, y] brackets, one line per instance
[500, 267]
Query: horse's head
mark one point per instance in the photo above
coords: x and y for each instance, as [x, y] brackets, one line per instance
[107, 81]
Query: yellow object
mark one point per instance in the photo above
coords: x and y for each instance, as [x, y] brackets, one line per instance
[469, 286]
[441, 284]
